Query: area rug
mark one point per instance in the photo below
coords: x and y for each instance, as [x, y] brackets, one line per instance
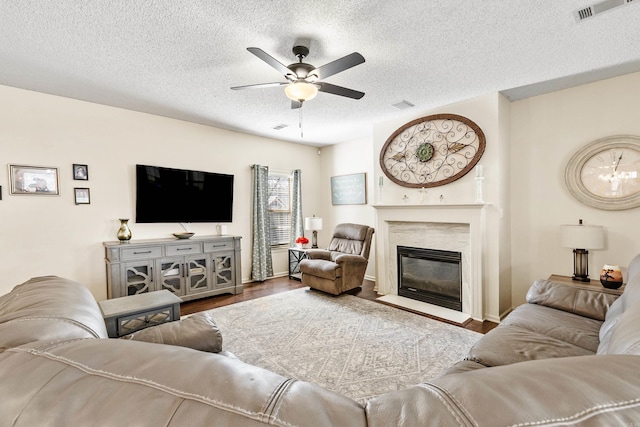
[353, 346]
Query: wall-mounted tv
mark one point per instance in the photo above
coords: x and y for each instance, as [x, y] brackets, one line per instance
[179, 195]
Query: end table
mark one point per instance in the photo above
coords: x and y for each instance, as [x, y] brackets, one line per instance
[587, 285]
[295, 256]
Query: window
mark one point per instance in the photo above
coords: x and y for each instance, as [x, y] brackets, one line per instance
[280, 209]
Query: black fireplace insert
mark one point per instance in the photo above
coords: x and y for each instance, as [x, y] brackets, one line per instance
[430, 275]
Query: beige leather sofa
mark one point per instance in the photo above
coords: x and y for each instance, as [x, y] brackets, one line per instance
[570, 356]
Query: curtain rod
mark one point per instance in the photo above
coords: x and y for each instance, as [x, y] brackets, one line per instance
[279, 171]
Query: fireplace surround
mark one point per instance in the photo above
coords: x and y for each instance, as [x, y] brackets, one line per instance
[449, 227]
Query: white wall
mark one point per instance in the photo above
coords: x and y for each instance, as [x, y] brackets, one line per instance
[42, 235]
[345, 159]
[528, 144]
[488, 112]
[545, 132]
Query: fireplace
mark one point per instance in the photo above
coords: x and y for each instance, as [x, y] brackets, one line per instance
[430, 275]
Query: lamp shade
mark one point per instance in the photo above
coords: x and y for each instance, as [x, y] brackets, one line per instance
[582, 236]
[313, 223]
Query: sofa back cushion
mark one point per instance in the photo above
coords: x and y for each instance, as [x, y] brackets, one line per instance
[49, 308]
[571, 298]
[619, 333]
[624, 336]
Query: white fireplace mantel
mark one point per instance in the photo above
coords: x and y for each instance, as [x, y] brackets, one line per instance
[459, 227]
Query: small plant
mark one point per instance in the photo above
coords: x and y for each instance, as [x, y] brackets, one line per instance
[302, 240]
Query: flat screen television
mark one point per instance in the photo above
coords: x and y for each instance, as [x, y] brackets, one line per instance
[179, 195]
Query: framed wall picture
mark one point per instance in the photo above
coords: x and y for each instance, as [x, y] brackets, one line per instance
[349, 189]
[80, 172]
[37, 180]
[82, 196]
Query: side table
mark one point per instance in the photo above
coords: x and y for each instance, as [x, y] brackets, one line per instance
[129, 314]
[587, 285]
[295, 256]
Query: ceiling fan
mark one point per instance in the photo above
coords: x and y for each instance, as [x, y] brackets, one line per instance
[303, 80]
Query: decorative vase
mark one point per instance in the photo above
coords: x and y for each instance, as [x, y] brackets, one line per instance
[611, 276]
[124, 233]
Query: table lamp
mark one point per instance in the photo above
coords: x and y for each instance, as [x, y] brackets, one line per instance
[581, 237]
[314, 224]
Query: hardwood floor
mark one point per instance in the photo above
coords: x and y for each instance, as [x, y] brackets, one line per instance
[283, 284]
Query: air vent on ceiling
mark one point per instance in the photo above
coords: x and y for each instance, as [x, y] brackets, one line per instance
[597, 8]
[402, 105]
[279, 127]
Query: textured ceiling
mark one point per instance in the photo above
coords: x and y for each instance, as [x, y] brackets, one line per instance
[179, 58]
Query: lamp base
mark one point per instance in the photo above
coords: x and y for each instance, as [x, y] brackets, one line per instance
[580, 278]
[314, 240]
[581, 265]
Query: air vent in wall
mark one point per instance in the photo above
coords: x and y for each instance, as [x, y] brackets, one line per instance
[595, 9]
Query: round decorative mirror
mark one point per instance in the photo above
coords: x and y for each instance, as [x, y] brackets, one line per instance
[605, 174]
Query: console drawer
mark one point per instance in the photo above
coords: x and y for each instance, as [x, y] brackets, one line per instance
[184, 249]
[143, 252]
[218, 246]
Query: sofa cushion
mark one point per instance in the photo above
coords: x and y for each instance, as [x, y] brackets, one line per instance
[561, 325]
[49, 308]
[461, 367]
[512, 344]
[587, 301]
[198, 332]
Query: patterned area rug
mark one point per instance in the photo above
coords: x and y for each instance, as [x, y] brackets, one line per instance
[356, 347]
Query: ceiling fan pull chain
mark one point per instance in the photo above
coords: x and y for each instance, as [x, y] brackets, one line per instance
[300, 120]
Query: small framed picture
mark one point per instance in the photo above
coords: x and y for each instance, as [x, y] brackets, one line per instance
[80, 172]
[33, 180]
[349, 189]
[82, 196]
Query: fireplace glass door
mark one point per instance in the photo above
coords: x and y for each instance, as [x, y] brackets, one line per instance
[430, 275]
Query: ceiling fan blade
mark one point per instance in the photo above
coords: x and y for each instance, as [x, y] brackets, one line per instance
[295, 105]
[259, 85]
[270, 60]
[338, 65]
[339, 90]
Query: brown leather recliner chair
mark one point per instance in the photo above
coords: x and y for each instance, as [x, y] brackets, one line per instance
[342, 265]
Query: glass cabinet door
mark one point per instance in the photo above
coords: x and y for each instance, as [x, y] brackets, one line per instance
[197, 277]
[138, 277]
[223, 269]
[171, 275]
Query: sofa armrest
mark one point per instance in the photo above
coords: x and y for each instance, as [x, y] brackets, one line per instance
[198, 331]
[587, 301]
[319, 254]
[349, 258]
[584, 390]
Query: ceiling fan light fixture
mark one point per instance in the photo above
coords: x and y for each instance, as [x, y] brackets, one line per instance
[301, 91]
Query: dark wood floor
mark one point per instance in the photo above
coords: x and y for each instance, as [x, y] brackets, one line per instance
[283, 284]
